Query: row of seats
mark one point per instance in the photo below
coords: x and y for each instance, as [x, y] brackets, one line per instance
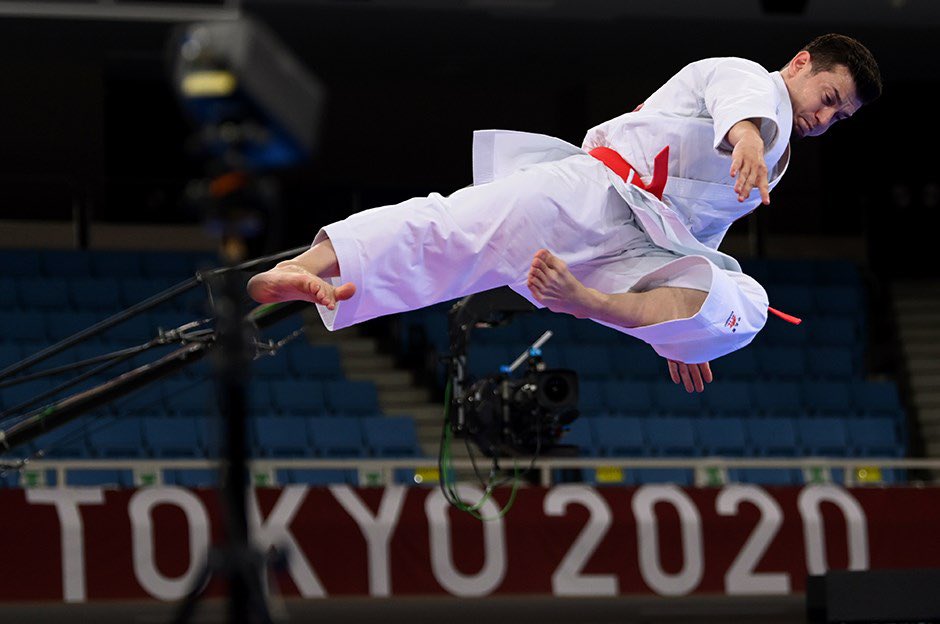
[430, 325]
[194, 477]
[77, 263]
[735, 437]
[593, 361]
[303, 398]
[271, 437]
[739, 398]
[803, 272]
[184, 397]
[91, 294]
[297, 360]
[28, 263]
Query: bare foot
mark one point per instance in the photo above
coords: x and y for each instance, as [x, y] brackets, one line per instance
[291, 282]
[553, 285]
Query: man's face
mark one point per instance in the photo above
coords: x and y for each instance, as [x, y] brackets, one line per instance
[819, 99]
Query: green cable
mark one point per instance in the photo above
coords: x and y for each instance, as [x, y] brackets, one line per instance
[447, 470]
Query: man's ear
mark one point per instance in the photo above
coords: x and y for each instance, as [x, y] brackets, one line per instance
[798, 62]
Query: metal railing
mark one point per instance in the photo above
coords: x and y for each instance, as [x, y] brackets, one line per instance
[709, 471]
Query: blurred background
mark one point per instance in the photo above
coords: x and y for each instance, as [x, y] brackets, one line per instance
[94, 164]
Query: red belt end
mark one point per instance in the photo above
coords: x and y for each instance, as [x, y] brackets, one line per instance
[787, 317]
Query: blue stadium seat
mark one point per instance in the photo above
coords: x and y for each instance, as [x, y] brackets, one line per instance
[621, 436]
[511, 333]
[590, 397]
[192, 477]
[823, 436]
[171, 437]
[65, 264]
[779, 333]
[722, 436]
[840, 301]
[766, 476]
[22, 327]
[65, 442]
[61, 325]
[314, 476]
[584, 331]
[260, 402]
[838, 273]
[740, 364]
[334, 436]
[24, 391]
[186, 397]
[121, 437]
[136, 289]
[10, 479]
[832, 363]
[537, 323]
[757, 268]
[671, 436]
[628, 397]
[673, 399]
[877, 398]
[637, 361]
[827, 398]
[95, 293]
[875, 437]
[796, 272]
[486, 359]
[580, 433]
[282, 437]
[784, 363]
[20, 262]
[728, 398]
[99, 477]
[792, 299]
[391, 436]
[133, 331]
[322, 361]
[299, 398]
[9, 294]
[679, 476]
[835, 331]
[353, 397]
[174, 265]
[271, 366]
[116, 264]
[10, 353]
[45, 294]
[778, 398]
[146, 401]
[589, 361]
[772, 436]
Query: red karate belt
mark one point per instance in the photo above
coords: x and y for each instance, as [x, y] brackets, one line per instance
[627, 172]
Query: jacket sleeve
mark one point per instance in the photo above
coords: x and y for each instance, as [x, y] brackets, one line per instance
[735, 89]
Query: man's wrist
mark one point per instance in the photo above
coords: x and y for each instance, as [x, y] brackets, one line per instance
[742, 129]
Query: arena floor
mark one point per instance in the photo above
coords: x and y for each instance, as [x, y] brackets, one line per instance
[628, 610]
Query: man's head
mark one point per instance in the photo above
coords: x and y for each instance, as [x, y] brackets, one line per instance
[828, 80]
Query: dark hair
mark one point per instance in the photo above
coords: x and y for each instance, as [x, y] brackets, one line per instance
[828, 51]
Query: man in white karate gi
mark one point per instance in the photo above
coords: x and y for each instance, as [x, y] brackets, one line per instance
[618, 231]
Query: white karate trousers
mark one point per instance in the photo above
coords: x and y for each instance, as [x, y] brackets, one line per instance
[432, 249]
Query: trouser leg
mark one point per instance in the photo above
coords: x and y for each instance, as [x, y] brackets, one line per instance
[432, 249]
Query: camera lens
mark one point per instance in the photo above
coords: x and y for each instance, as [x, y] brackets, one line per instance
[556, 389]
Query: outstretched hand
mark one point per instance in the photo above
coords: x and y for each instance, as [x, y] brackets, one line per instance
[692, 376]
[748, 166]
